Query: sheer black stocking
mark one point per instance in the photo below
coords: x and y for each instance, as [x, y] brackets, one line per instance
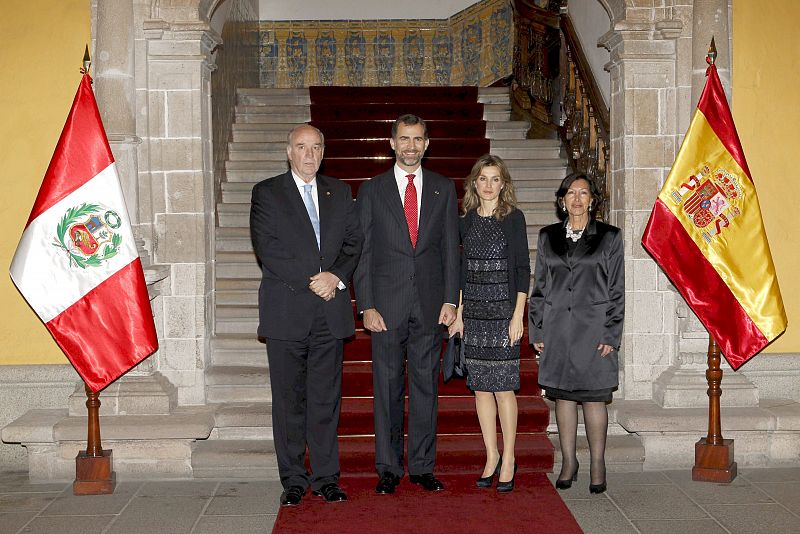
[567, 421]
[595, 417]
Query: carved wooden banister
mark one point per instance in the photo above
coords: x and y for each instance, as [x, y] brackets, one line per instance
[549, 64]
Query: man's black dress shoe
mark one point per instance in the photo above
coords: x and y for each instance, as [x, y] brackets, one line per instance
[387, 484]
[331, 492]
[292, 496]
[427, 481]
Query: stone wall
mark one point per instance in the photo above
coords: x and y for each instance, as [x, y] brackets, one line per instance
[473, 47]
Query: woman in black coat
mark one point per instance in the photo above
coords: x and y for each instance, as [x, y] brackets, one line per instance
[576, 310]
[495, 276]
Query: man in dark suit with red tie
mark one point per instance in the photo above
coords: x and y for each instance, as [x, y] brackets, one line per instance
[407, 287]
[306, 235]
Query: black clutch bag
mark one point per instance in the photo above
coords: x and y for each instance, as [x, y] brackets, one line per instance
[454, 362]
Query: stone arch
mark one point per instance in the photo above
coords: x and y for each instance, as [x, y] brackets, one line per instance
[184, 10]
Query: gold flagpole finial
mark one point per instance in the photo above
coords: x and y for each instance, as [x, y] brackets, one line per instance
[711, 57]
[87, 62]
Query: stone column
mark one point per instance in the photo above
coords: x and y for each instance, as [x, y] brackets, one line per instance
[710, 19]
[643, 145]
[178, 140]
[114, 88]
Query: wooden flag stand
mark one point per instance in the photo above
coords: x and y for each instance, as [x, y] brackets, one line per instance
[713, 455]
[94, 467]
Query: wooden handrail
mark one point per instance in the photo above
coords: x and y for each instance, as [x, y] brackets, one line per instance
[585, 71]
[549, 59]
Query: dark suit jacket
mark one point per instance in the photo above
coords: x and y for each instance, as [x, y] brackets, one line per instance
[285, 243]
[519, 261]
[576, 304]
[390, 266]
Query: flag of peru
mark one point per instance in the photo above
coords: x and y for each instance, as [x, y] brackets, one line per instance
[706, 233]
[76, 263]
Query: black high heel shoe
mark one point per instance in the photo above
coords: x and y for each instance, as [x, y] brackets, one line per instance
[567, 484]
[598, 488]
[505, 487]
[486, 482]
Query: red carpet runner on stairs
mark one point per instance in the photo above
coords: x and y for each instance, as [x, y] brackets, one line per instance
[357, 123]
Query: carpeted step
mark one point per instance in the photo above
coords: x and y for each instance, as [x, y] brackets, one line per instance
[365, 129]
[390, 111]
[357, 380]
[456, 415]
[455, 453]
[336, 96]
[452, 167]
[442, 147]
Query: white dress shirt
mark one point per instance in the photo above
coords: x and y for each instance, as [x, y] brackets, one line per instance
[402, 183]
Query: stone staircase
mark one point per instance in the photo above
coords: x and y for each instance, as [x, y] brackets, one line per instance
[237, 382]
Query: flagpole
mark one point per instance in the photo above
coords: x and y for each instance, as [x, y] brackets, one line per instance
[713, 455]
[94, 471]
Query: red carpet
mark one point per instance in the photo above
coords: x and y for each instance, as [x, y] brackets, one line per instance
[533, 507]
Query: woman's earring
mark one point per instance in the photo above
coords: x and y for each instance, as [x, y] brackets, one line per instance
[563, 207]
[590, 205]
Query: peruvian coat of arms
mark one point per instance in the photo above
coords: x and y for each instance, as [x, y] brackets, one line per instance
[88, 234]
[710, 200]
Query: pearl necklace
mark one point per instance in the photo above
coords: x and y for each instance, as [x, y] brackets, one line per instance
[572, 234]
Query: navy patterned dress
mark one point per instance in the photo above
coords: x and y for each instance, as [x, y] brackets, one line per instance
[492, 363]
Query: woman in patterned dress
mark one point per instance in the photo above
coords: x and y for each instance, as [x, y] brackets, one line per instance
[495, 276]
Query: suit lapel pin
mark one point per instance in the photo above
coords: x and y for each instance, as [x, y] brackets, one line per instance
[327, 193]
[436, 191]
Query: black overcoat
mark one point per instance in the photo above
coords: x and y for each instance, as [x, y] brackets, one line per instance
[577, 303]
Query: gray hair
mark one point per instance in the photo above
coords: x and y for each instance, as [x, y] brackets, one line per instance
[300, 126]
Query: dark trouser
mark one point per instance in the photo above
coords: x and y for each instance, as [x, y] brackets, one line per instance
[422, 348]
[306, 379]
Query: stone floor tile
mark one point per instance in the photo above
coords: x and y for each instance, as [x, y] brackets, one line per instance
[738, 491]
[655, 502]
[10, 523]
[177, 488]
[69, 504]
[599, 516]
[755, 518]
[786, 493]
[245, 505]
[26, 502]
[235, 524]
[773, 474]
[18, 482]
[641, 477]
[159, 515]
[68, 525]
[671, 526]
[234, 498]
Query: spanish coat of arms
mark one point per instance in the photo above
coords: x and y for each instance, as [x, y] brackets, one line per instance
[710, 200]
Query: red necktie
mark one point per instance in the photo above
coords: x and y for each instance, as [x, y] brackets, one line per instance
[410, 208]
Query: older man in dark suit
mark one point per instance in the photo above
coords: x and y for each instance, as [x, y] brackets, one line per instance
[306, 234]
[407, 286]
